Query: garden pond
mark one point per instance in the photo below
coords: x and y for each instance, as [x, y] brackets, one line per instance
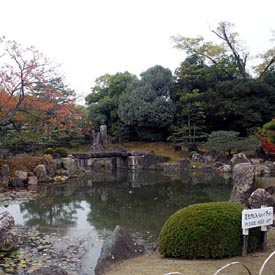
[68, 223]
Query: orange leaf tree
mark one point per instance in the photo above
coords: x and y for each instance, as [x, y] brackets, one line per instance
[34, 101]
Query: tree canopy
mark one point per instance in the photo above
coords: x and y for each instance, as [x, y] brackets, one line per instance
[230, 50]
[35, 101]
[147, 107]
[229, 95]
[103, 101]
[215, 88]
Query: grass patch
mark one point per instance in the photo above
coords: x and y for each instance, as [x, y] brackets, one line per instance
[159, 148]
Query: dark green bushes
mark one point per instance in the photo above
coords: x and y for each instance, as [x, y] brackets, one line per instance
[61, 151]
[206, 230]
[49, 151]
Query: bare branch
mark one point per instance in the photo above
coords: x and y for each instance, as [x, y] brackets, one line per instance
[222, 32]
[271, 62]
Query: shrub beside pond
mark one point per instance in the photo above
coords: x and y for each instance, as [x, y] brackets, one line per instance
[49, 151]
[205, 230]
[61, 151]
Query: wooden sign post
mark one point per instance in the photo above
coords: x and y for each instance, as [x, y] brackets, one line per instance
[259, 217]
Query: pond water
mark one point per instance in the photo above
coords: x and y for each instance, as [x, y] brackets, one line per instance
[89, 208]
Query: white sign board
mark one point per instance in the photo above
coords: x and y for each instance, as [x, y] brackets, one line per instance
[257, 217]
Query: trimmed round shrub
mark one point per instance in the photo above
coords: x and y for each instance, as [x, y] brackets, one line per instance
[49, 151]
[62, 152]
[206, 230]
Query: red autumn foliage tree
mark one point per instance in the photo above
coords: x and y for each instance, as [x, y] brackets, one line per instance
[268, 140]
[21, 70]
[34, 101]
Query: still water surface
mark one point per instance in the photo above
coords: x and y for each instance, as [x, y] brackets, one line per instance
[140, 202]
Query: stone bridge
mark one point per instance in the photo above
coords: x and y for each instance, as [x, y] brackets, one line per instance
[117, 159]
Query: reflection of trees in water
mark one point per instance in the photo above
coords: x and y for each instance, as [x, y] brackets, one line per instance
[50, 212]
[145, 209]
[139, 202]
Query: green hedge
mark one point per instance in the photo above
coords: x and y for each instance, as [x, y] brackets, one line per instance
[49, 151]
[205, 230]
[61, 151]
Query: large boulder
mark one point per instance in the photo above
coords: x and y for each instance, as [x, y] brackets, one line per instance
[239, 158]
[68, 163]
[32, 181]
[41, 173]
[262, 169]
[19, 180]
[222, 167]
[270, 165]
[119, 246]
[49, 164]
[57, 162]
[8, 233]
[211, 156]
[22, 175]
[151, 159]
[96, 146]
[261, 197]
[104, 136]
[197, 157]
[243, 182]
[256, 161]
[50, 270]
[5, 175]
[16, 183]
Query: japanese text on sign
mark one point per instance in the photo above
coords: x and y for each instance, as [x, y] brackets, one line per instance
[257, 217]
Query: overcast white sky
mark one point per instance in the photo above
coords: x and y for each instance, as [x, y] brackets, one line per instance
[93, 37]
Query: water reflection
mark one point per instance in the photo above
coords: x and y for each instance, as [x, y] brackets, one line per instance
[139, 202]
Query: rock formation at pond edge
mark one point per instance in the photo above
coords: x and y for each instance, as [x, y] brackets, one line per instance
[119, 246]
[260, 197]
[244, 185]
[243, 182]
[8, 234]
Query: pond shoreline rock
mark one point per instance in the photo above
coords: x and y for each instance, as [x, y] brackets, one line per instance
[119, 246]
[8, 233]
[48, 170]
[260, 197]
[243, 182]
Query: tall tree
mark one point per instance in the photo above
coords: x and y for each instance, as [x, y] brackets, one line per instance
[230, 47]
[240, 105]
[21, 70]
[160, 79]
[35, 100]
[147, 108]
[103, 101]
[231, 99]
[50, 115]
